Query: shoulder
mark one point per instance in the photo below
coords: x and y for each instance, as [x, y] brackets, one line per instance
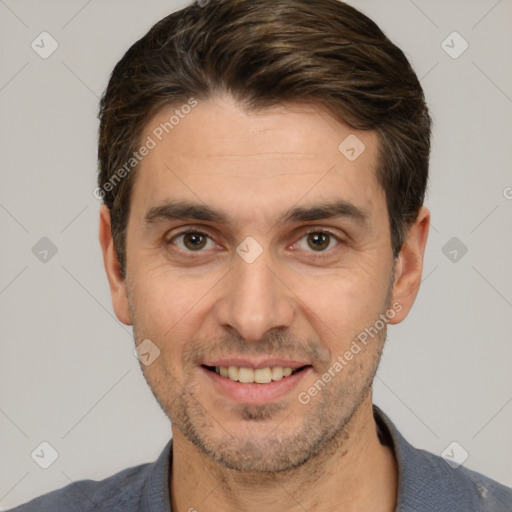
[428, 483]
[461, 487]
[129, 490]
[85, 495]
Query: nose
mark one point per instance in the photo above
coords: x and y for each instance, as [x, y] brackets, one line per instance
[254, 300]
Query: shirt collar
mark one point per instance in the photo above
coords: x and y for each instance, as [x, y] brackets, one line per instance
[425, 481]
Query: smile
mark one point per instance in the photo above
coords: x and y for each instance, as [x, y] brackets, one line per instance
[253, 375]
[254, 386]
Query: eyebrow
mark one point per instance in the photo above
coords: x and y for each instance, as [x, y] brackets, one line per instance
[184, 210]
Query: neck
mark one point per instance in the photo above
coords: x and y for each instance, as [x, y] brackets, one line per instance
[353, 472]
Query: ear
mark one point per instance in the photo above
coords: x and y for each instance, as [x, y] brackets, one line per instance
[113, 268]
[409, 266]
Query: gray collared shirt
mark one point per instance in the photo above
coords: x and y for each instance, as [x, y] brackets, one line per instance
[426, 484]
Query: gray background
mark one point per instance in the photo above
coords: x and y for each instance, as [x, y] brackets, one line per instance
[68, 375]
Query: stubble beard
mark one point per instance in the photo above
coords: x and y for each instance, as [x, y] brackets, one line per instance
[326, 425]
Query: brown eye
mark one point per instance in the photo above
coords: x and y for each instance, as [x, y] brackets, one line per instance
[192, 241]
[319, 241]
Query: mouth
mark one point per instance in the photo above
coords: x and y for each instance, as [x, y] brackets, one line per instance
[241, 382]
[247, 375]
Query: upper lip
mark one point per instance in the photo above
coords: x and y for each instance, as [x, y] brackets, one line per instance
[255, 363]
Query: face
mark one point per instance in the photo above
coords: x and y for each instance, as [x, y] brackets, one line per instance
[256, 248]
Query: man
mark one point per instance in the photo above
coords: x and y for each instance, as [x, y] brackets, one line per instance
[263, 166]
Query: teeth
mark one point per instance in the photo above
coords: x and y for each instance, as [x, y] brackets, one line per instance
[277, 373]
[233, 373]
[245, 375]
[249, 375]
[263, 375]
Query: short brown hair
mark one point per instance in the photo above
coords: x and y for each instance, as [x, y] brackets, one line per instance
[266, 53]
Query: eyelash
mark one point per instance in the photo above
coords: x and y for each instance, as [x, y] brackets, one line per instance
[319, 254]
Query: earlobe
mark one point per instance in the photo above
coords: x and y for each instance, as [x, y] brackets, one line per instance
[115, 278]
[409, 265]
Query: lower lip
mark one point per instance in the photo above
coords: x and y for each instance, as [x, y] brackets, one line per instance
[255, 394]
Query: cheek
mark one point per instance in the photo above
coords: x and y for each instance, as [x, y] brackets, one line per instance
[343, 307]
[168, 307]
[349, 298]
[163, 313]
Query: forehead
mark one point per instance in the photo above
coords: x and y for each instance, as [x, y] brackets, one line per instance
[219, 154]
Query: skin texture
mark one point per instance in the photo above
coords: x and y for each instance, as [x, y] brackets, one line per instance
[293, 301]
